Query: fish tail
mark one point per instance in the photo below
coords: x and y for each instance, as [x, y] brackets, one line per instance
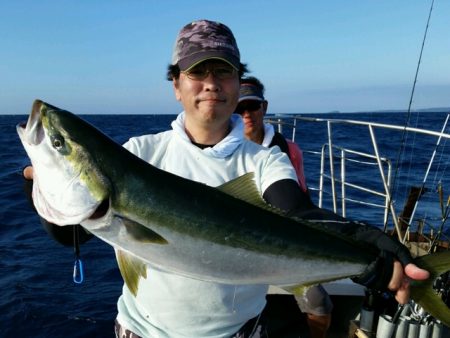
[424, 292]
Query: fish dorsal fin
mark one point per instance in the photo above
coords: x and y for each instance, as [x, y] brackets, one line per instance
[131, 268]
[244, 188]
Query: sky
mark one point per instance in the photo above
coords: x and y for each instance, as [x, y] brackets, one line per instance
[314, 56]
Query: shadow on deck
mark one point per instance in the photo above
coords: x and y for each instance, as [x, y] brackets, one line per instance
[285, 320]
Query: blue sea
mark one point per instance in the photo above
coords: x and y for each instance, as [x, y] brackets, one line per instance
[38, 297]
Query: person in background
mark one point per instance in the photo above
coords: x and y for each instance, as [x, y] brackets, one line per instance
[206, 144]
[252, 107]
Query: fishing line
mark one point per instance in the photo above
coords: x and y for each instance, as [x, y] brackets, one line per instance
[408, 115]
[443, 148]
[233, 309]
[78, 269]
[405, 160]
[411, 152]
[441, 228]
[428, 169]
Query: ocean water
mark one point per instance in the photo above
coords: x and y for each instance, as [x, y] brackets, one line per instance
[39, 298]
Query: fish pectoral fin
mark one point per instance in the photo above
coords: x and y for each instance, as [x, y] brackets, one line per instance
[424, 292]
[131, 268]
[245, 189]
[141, 233]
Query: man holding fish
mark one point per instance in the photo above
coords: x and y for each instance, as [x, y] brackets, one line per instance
[207, 145]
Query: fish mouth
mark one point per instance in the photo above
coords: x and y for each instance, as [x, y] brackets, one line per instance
[32, 131]
[101, 210]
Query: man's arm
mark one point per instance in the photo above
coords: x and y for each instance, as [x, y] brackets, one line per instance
[296, 157]
[287, 195]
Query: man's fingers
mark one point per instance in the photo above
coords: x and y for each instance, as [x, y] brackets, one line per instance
[403, 293]
[397, 277]
[28, 172]
[416, 273]
[400, 280]
[411, 271]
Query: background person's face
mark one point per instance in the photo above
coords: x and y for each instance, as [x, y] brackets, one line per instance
[253, 118]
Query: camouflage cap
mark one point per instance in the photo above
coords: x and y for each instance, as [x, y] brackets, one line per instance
[249, 91]
[202, 40]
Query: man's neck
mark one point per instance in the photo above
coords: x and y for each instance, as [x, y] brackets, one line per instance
[206, 134]
[257, 136]
[202, 146]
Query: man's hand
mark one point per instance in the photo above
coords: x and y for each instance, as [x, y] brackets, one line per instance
[28, 172]
[401, 277]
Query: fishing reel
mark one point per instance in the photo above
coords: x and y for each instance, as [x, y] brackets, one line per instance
[441, 286]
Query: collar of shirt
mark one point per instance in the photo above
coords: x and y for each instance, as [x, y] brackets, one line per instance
[224, 148]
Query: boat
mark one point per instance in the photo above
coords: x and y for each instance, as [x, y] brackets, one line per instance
[354, 168]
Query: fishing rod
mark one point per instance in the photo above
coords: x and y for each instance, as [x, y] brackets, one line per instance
[408, 115]
[424, 318]
[445, 216]
[427, 172]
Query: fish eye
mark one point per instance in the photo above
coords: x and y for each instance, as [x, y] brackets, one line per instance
[57, 142]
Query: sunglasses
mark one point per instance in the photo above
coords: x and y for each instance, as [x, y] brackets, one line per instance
[220, 71]
[249, 106]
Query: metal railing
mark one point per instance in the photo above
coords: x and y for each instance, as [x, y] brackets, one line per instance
[333, 182]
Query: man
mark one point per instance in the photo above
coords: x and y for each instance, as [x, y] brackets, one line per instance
[253, 107]
[206, 144]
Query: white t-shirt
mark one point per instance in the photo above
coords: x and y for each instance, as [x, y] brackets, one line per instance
[169, 305]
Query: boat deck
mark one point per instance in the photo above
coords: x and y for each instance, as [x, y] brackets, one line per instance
[285, 320]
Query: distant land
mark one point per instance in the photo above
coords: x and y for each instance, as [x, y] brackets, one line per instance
[423, 110]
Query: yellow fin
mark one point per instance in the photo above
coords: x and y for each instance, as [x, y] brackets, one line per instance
[131, 268]
[423, 293]
[298, 290]
[245, 189]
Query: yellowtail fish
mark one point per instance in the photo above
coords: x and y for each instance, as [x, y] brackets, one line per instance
[225, 234]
